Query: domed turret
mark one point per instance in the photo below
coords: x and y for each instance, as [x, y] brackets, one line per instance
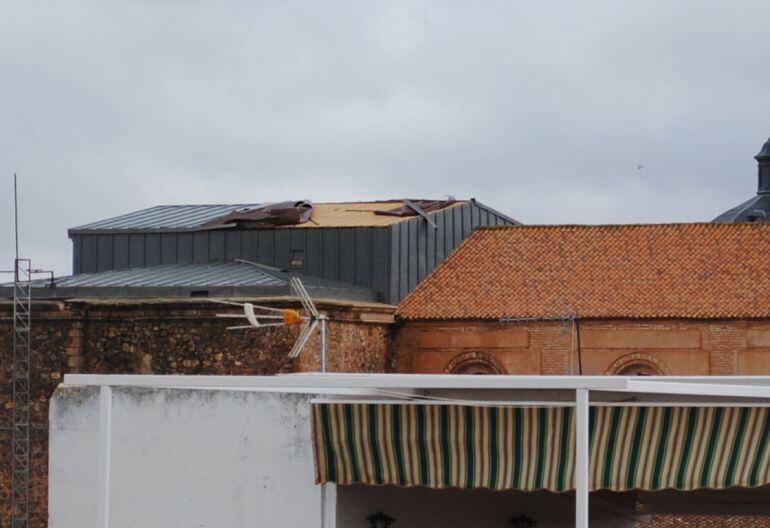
[758, 208]
[763, 159]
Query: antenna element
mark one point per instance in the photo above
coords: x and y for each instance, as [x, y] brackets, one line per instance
[309, 323]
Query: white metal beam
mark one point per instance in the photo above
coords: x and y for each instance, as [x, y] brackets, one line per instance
[355, 381]
[698, 389]
[417, 400]
[357, 397]
[582, 455]
[749, 386]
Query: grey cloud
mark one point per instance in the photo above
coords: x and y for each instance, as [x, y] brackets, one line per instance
[542, 110]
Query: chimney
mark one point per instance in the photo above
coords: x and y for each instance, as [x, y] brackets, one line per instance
[763, 160]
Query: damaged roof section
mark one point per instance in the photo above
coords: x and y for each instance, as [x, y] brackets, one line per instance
[291, 214]
[278, 214]
[385, 246]
[416, 207]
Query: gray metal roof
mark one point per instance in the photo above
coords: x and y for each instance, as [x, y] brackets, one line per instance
[193, 275]
[165, 217]
[756, 209]
[223, 278]
[176, 218]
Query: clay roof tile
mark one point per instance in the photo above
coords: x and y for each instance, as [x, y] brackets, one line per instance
[624, 271]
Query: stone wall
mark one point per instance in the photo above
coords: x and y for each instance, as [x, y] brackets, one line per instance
[186, 337]
[165, 337]
[676, 347]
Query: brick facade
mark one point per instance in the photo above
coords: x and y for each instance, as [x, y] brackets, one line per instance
[595, 347]
[706, 521]
[164, 337]
[591, 347]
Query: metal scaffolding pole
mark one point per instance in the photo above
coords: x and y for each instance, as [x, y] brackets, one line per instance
[20, 432]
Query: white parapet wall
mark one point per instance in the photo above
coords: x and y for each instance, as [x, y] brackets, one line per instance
[240, 457]
[184, 458]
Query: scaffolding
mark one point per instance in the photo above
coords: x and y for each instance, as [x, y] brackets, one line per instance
[20, 426]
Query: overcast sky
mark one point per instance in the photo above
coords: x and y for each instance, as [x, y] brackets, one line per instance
[543, 110]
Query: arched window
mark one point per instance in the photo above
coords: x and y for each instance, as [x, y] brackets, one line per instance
[638, 364]
[474, 363]
[638, 369]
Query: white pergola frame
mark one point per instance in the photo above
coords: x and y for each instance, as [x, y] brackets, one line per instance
[668, 391]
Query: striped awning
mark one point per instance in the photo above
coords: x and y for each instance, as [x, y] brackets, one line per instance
[527, 448]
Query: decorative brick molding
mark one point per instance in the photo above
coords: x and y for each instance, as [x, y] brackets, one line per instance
[475, 362]
[638, 363]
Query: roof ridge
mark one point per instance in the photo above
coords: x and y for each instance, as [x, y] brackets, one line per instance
[390, 200]
[203, 205]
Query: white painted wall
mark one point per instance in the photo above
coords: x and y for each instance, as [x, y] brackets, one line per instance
[185, 458]
[230, 459]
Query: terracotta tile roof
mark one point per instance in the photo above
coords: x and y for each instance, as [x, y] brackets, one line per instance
[625, 271]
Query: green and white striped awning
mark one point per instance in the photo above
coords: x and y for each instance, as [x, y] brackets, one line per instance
[527, 448]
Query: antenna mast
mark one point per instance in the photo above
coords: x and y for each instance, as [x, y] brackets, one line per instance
[16, 213]
[20, 374]
[20, 428]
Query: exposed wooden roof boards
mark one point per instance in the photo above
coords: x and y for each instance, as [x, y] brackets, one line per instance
[195, 217]
[356, 214]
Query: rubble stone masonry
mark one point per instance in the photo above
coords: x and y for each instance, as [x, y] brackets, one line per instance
[164, 337]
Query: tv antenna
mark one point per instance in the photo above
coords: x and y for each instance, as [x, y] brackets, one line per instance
[259, 317]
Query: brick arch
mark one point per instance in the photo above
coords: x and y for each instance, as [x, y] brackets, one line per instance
[638, 364]
[475, 362]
